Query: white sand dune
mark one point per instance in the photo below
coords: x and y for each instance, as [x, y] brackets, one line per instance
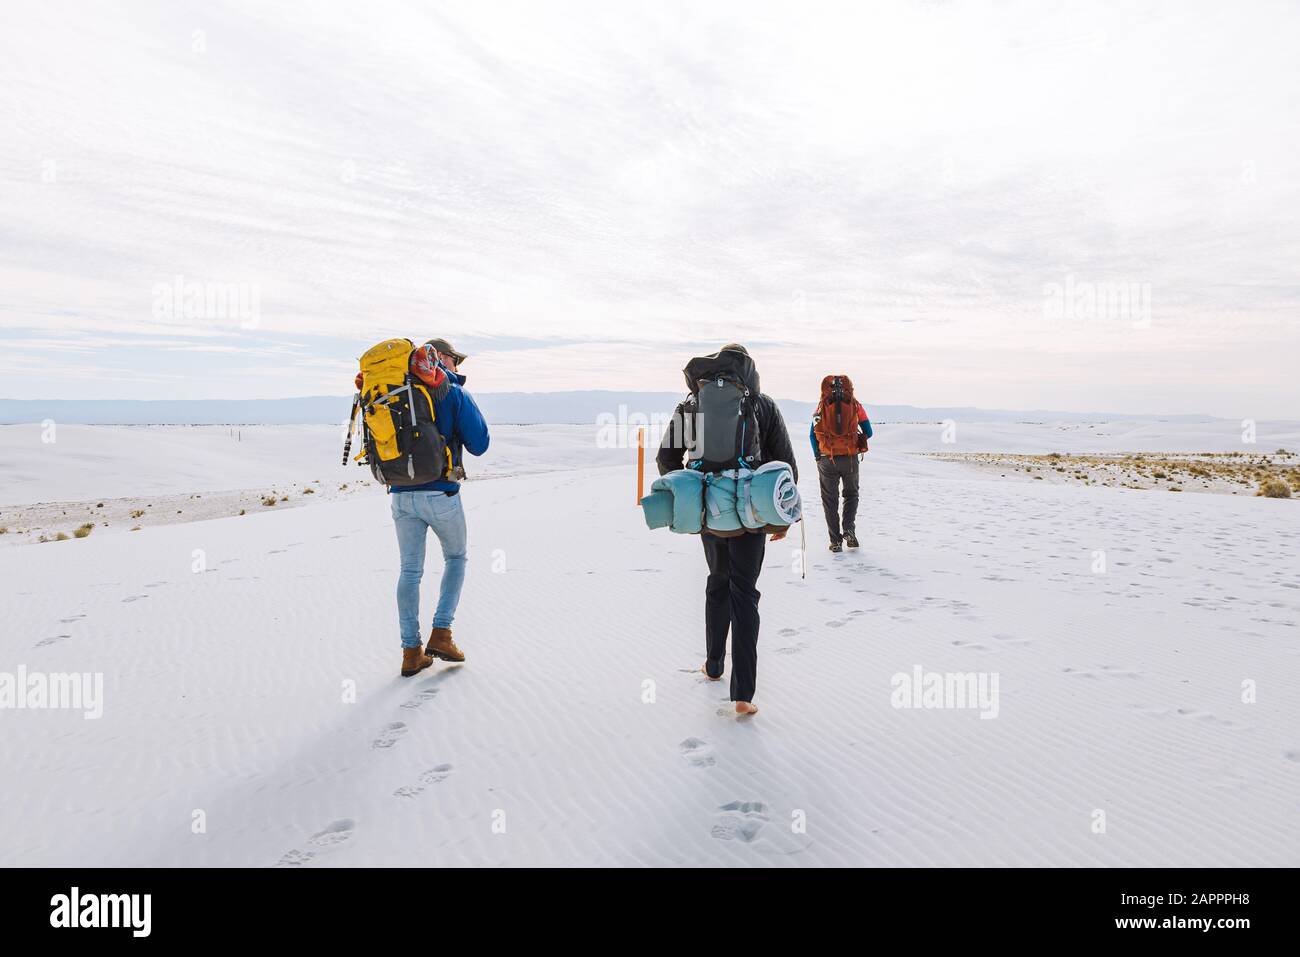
[225, 687]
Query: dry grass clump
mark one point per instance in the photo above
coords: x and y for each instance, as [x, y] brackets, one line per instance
[84, 530]
[1274, 488]
[1222, 472]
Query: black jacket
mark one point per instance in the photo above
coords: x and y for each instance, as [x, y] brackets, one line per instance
[774, 440]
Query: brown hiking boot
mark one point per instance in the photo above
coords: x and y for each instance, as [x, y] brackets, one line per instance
[441, 646]
[414, 661]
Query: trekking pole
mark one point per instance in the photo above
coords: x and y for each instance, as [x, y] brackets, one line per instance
[803, 550]
[352, 420]
[640, 464]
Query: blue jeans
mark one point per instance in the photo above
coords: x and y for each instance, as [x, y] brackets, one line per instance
[414, 513]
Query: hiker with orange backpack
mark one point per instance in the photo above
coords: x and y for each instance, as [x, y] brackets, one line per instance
[417, 421]
[839, 432]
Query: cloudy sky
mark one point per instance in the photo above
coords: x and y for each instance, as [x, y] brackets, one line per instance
[1038, 205]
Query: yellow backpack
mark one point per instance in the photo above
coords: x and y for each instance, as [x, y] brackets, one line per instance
[400, 437]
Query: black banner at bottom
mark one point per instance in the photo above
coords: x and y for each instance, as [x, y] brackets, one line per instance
[331, 906]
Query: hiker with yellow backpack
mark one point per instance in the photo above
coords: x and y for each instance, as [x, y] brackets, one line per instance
[839, 432]
[416, 421]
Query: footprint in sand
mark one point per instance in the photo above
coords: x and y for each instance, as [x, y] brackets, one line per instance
[1292, 756]
[1010, 639]
[389, 735]
[700, 677]
[420, 697]
[156, 584]
[134, 597]
[788, 632]
[68, 621]
[836, 624]
[740, 821]
[435, 775]
[52, 640]
[1209, 718]
[698, 753]
[335, 834]
[1103, 671]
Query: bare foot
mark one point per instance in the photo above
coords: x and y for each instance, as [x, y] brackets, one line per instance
[744, 707]
[704, 669]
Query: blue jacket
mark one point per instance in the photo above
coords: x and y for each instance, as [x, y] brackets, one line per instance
[462, 425]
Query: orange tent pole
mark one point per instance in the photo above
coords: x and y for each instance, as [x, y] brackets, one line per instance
[640, 464]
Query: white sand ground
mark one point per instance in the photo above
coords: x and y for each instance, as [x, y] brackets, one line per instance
[225, 687]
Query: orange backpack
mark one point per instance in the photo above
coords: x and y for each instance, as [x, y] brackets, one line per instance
[836, 423]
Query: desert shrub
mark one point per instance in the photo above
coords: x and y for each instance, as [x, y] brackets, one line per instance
[4, 529]
[137, 513]
[1274, 488]
[309, 491]
[269, 500]
[84, 530]
[61, 537]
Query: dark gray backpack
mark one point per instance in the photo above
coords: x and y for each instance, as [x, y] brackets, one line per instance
[724, 433]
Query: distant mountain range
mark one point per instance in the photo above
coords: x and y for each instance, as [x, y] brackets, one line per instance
[524, 408]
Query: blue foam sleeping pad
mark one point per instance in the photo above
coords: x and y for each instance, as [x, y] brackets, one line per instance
[728, 501]
[658, 508]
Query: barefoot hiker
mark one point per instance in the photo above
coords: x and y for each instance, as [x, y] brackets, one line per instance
[417, 421]
[725, 423]
[839, 432]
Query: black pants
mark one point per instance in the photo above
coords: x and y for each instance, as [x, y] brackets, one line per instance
[831, 470]
[731, 602]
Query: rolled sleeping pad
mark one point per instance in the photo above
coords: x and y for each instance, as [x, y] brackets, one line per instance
[773, 496]
[731, 501]
[683, 489]
[720, 504]
[658, 508]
